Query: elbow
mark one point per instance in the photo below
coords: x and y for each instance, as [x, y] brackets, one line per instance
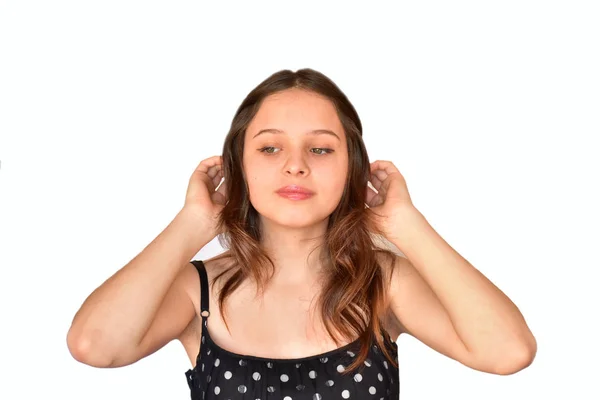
[84, 350]
[519, 360]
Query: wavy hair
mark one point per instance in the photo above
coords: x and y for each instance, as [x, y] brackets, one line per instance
[354, 298]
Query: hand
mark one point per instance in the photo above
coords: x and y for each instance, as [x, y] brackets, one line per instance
[392, 197]
[203, 198]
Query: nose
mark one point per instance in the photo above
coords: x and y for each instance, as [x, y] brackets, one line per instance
[295, 165]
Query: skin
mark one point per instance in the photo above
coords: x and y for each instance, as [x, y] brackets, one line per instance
[495, 337]
[285, 322]
[291, 228]
[435, 295]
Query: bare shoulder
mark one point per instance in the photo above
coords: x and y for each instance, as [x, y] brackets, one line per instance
[213, 266]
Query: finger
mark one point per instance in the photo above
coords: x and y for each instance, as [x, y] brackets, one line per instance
[223, 189]
[371, 194]
[218, 198]
[217, 178]
[376, 182]
[205, 165]
[380, 174]
[374, 199]
[386, 166]
[214, 170]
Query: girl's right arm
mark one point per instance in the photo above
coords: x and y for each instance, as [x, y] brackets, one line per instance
[144, 305]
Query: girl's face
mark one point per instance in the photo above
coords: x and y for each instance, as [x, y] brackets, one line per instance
[296, 138]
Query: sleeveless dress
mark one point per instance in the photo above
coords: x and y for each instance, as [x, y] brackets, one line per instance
[221, 374]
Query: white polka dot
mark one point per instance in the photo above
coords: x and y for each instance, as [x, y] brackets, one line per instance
[312, 374]
[372, 390]
[345, 394]
[284, 378]
[287, 398]
[340, 368]
[242, 389]
[269, 365]
[202, 367]
[208, 378]
[208, 351]
[217, 362]
[329, 383]
[270, 389]
[256, 376]
[217, 390]
[323, 360]
[351, 354]
[242, 363]
[368, 362]
[380, 377]
[228, 374]
[358, 377]
[385, 365]
[298, 365]
[202, 339]
[317, 396]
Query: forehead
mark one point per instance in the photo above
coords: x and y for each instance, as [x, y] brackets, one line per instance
[297, 110]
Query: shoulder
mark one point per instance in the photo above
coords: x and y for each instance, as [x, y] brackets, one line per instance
[213, 266]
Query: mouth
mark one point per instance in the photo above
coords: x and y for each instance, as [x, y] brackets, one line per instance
[295, 192]
[295, 196]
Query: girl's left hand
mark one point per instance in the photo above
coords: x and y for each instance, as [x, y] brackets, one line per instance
[392, 199]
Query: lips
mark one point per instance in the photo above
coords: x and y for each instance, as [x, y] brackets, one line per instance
[294, 189]
[295, 192]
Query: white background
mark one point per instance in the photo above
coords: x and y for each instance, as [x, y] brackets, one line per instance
[489, 109]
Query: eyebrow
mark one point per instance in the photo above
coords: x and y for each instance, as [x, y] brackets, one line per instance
[313, 132]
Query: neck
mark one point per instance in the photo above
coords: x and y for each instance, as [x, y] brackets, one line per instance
[296, 252]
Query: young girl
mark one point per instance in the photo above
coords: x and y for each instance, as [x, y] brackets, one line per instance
[304, 303]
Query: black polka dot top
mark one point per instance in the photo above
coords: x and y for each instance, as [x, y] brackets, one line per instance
[221, 374]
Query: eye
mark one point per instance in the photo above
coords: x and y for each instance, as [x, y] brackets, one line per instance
[323, 150]
[320, 150]
[264, 149]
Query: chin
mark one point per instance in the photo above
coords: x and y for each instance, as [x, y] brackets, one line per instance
[292, 218]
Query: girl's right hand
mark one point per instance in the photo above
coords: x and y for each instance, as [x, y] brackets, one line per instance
[202, 198]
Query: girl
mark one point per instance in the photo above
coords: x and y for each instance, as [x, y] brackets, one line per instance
[304, 303]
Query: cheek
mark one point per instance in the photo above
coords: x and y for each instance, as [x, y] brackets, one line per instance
[261, 186]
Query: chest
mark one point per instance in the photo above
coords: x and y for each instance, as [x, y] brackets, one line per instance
[283, 323]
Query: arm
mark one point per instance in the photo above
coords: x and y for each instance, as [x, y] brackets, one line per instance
[442, 300]
[143, 305]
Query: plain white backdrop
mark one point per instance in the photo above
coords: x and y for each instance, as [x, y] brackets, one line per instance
[491, 111]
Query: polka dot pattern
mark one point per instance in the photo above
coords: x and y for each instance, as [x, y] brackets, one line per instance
[222, 374]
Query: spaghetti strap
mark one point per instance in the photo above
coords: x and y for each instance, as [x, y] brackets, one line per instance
[204, 293]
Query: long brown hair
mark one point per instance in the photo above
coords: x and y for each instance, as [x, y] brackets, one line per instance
[354, 298]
